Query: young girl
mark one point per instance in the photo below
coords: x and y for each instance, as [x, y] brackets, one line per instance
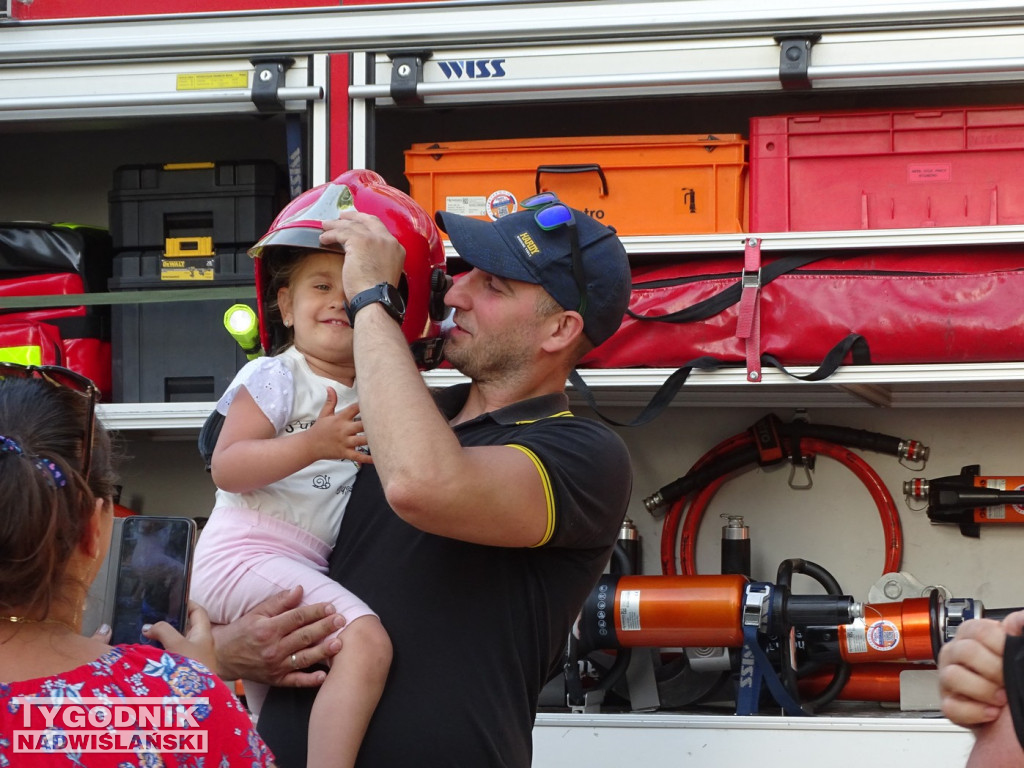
[291, 444]
[284, 465]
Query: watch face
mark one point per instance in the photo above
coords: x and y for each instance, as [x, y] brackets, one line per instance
[394, 297]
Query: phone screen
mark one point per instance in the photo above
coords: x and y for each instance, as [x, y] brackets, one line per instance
[152, 576]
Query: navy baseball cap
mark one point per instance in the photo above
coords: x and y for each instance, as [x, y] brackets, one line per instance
[516, 247]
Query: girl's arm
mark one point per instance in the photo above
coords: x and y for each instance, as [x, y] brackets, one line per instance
[249, 456]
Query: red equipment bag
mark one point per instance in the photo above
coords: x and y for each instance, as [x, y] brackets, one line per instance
[30, 344]
[83, 337]
[56, 260]
[946, 306]
[56, 284]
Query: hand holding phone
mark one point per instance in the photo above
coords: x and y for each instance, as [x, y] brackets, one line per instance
[153, 576]
[196, 644]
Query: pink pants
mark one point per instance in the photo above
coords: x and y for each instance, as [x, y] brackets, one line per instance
[244, 557]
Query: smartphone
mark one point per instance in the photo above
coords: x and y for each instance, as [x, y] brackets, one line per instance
[154, 567]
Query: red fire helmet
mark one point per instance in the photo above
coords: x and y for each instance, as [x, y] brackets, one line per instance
[298, 226]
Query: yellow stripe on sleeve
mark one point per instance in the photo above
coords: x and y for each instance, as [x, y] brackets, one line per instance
[548, 495]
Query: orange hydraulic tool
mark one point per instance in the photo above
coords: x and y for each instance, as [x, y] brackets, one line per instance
[695, 611]
[908, 630]
[969, 499]
[716, 611]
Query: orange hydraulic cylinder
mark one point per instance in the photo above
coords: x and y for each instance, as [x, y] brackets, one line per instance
[897, 631]
[679, 611]
[868, 682]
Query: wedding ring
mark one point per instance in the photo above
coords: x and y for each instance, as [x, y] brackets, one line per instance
[294, 665]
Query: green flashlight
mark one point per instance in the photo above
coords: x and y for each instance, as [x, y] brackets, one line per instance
[240, 321]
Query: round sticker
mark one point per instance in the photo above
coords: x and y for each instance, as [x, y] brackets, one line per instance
[501, 203]
[1019, 508]
[883, 636]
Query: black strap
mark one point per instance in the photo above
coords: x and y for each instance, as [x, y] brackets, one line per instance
[854, 343]
[725, 298]
[208, 436]
[1013, 678]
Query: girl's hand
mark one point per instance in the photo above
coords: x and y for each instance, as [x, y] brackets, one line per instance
[339, 435]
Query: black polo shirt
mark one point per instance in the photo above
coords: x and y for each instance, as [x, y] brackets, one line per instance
[477, 630]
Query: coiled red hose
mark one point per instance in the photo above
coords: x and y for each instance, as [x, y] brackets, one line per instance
[693, 516]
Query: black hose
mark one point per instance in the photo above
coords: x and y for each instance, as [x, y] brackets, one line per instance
[748, 454]
[843, 670]
[852, 438]
[999, 613]
[622, 563]
[624, 558]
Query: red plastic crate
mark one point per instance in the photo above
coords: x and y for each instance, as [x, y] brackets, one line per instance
[887, 169]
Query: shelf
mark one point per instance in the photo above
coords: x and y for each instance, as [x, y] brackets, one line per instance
[607, 741]
[154, 416]
[897, 386]
[996, 385]
[417, 25]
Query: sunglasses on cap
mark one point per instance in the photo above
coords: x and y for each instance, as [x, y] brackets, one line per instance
[62, 378]
[551, 213]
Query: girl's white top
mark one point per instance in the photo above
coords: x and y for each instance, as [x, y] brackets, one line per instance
[291, 395]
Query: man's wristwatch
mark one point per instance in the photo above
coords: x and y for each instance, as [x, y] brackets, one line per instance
[384, 293]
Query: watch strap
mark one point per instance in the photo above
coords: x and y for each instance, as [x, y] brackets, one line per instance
[382, 293]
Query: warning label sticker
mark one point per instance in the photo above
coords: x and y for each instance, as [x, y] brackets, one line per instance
[629, 610]
[856, 642]
[466, 206]
[210, 81]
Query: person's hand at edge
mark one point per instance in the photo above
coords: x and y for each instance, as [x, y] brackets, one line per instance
[971, 670]
[277, 640]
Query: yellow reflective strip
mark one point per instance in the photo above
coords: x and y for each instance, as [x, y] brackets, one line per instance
[548, 495]
[560, 414]
[27, 355]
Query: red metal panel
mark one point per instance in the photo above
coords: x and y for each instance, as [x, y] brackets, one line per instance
[70, 9]
[339, 148]
[29, 10]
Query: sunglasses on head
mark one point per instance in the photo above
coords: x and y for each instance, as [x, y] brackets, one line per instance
[551, 213]
[62, 378]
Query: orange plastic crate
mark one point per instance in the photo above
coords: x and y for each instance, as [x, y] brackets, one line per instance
[641, 185]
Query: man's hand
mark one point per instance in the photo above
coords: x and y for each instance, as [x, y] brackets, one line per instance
[372, 254]
[971, 670]
[278, 639]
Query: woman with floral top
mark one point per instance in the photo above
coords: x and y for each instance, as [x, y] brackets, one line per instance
[66, 699]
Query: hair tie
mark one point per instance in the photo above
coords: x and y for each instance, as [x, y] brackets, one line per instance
[50, 468]
[10, 445]
[46, 466]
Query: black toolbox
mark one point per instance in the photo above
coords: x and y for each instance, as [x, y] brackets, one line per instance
[184, 227]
